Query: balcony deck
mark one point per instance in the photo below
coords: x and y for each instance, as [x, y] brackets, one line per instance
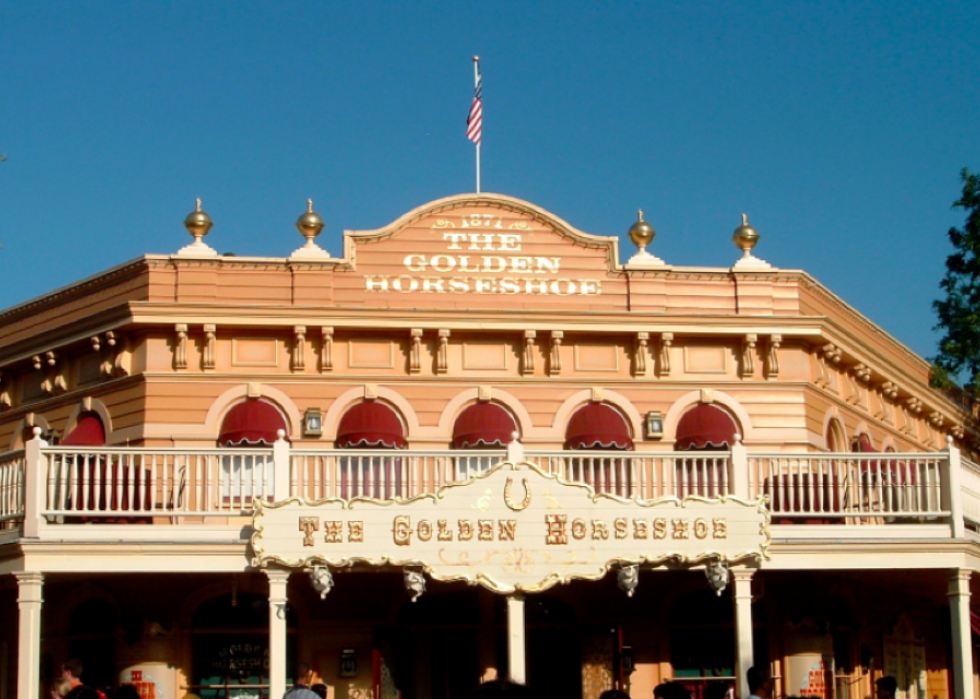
[88, 493]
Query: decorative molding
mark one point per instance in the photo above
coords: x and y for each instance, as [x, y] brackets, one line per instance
[442, 356]
[53, 381]
[326, 349]
[666, 340]
[527, 366]
[208, 357]
[6, 400]
[554, 362]
[772, 357]
[640, 354]
[415, 352]
[299, 349]
[180, 346]
[748, 355]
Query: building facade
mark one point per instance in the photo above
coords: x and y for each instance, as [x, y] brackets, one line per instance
[218, 465]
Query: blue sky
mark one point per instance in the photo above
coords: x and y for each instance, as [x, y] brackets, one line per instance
[840, 127]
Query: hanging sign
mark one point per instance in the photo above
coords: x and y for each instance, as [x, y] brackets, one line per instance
[514, 528]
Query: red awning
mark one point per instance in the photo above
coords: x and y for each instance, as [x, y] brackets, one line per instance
[705, 427]
[251, 423]
[371, 424]
[975, 623]
[597, 426]
[863, 444]
[483, 425]
[88, 432]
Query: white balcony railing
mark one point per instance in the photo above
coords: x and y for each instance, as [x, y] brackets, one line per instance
[47, 486]
[851, 488]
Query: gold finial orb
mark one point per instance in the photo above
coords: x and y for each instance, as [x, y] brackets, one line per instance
[198, 223]
[641, 232]
[310, 224]
[745, 236]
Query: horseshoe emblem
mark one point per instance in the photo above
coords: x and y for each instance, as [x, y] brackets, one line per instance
[510, 502]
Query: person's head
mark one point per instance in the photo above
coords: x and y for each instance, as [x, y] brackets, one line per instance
[671, 690]
[72, 670]
[614, 694]
[718, 690]
[758, 681]
[885, 687]
[320, 690]
[126, 691]
[500, 689]
[60, 687]
[301, 672]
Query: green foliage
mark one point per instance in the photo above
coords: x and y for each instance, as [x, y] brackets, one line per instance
[959, 311]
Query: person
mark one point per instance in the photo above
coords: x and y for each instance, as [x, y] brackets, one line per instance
[59, 688]
[760, 686]
[127, 691]
[500, 689]
[72, 671]
[886, 687]
[320, 690]
[716, 690]
[614, 694]
[301, 689]
[671, 690]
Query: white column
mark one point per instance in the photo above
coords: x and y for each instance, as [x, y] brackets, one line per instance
[35, 474]
[959, 609]
[739, 476]
[742, 598]
[29, 588]
[277, 631]
[280, 457]
[515, 638]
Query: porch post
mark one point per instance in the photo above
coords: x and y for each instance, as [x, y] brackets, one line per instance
[35, 474]
[515, 637]
[742, 597]
[277, 631]
[951, 491]
[959, 610]
[29, 588]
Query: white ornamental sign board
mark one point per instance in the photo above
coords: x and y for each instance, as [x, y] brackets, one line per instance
[514, 528]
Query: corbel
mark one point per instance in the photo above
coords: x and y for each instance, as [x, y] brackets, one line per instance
[122, 354]
[527, 366]
[415, 353]
[748, 355]
[299, 348]
[666, 340]
[442, 356]
[640, 354]
[5, 398]
[913, 406]
[887, 391]
[772, 357]
[554, 362]
[957, 431]
[52, 381]
[326, 349]
[827, 355]
[210, 347]
[180, 346]
[936, 419]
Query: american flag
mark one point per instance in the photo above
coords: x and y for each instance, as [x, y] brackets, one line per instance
[474, 122]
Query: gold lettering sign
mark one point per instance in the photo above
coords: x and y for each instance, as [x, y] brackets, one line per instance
[533, 531]
[481, 262]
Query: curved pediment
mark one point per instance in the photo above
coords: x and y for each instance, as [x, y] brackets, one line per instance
[487, 214]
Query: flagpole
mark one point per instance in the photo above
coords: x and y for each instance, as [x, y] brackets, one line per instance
[476, 83]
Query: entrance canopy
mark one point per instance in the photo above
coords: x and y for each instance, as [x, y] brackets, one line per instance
[88, 432]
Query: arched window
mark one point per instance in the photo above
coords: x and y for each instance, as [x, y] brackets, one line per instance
[599, 427]
[835, 436]
[249, 424]
[704, 428]
[371, 425]
[481, 426]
